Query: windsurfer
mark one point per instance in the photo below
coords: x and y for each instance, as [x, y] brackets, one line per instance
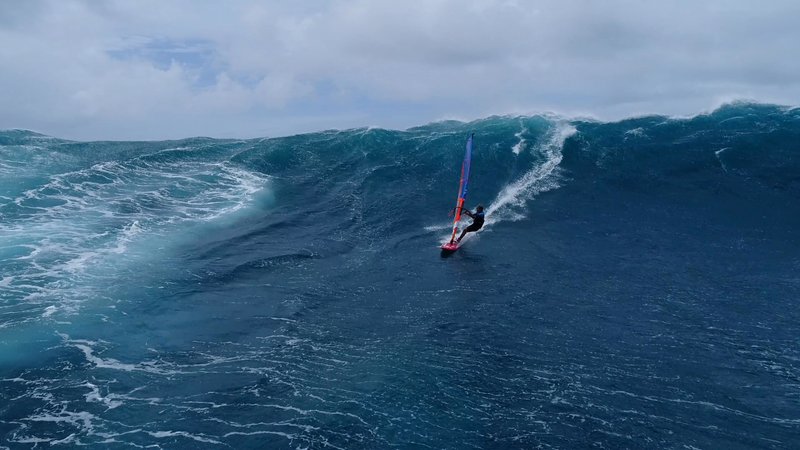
[477, 221]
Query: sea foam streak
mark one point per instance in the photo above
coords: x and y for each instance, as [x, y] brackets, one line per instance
[510, 202]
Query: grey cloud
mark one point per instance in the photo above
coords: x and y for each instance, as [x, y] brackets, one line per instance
[156, 69]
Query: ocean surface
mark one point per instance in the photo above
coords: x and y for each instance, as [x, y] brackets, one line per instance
[637, 285]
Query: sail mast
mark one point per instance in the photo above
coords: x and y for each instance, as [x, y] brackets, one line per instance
[462, 186]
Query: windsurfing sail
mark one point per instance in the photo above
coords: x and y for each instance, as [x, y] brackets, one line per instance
[462, 187]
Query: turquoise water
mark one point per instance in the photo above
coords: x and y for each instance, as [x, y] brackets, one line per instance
[635, 286]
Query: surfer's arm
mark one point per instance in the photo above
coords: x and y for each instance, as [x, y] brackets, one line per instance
[463, 210]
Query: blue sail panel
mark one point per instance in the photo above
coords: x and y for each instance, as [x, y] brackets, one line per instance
[463, 184]
[465, 168]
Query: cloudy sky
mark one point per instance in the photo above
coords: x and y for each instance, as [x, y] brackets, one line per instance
[157, 69]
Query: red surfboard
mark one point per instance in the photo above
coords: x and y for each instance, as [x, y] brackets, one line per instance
[450, 247]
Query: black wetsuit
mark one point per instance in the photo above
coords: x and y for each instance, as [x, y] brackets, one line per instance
[477, 222]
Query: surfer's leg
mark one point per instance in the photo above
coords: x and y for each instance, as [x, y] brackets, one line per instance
[469, 229]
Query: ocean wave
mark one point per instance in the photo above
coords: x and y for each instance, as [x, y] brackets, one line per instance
[288, 292]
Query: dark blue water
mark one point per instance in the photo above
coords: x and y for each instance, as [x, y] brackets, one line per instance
[636, 286]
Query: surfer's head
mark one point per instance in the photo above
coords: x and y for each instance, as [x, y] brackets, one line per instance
[479, 208]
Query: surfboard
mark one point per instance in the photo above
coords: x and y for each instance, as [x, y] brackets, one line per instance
[451, 245]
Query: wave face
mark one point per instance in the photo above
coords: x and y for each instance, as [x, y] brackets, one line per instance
[635, 286]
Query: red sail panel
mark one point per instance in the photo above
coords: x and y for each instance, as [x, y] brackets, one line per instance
[462, 186]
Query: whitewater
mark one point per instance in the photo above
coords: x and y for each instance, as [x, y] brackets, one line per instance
[635, 286]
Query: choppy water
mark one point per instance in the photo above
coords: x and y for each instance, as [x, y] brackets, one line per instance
[636, 286]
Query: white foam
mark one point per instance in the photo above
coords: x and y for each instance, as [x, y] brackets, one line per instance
[288, 436]
[519, 145]
[67, 440]
[111, 363]
[30, 440]
[438, 227]
[81, 419]
[78, 264]
[635, 132]
[284, 319]
[165, 434]
[509, 203]
[127, 235]
[78, 223]
[95, 396]
[718, 154]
